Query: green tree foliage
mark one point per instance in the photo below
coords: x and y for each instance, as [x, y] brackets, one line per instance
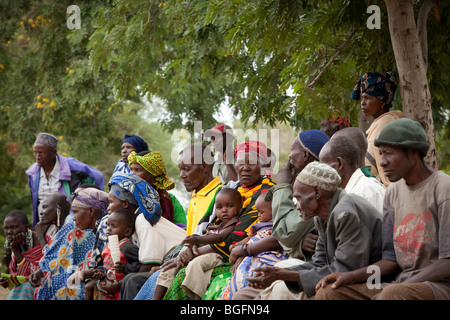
[47, 85]
[263, 56]
[143, 53]
[279, 60]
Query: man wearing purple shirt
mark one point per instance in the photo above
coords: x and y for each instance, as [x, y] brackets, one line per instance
[54, 173]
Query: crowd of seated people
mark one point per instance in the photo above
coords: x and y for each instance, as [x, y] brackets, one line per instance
[345, 202]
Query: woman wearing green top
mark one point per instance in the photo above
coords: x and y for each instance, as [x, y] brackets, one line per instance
[150, 167]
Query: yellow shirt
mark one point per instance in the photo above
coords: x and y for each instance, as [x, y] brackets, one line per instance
[199, 204]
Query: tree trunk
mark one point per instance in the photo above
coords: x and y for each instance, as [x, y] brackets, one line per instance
[415, 91]
[364, 122]
[422, 19]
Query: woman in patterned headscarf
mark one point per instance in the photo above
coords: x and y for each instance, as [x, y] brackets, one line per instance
[71, 248]
[150, 167]
[155, 236]
[138, 193]
[376, 92]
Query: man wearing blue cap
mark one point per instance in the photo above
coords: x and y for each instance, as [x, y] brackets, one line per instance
[295, 234]
[129, 143]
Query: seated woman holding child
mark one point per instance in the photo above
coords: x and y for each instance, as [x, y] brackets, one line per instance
[249, 157]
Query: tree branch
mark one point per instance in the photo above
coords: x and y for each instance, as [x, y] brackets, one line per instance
[327, 66]
[422, 18]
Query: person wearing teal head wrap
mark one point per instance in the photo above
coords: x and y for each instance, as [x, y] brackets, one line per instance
[126, 186]
[376, 92]
[380, 86]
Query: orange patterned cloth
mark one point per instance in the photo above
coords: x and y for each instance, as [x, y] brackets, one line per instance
[256, 147]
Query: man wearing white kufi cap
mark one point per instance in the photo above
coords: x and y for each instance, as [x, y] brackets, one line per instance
[349, 235]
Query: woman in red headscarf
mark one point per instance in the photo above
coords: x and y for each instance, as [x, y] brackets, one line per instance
[250, 156]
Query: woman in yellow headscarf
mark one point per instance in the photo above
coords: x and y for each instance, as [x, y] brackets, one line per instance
[150, 167]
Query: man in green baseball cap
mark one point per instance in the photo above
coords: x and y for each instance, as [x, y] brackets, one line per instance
[416, 225]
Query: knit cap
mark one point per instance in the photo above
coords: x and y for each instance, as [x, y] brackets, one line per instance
[320, 174]
[313, 141]
[46, 139]
[137, 142]
[219, 129]
[404, 133]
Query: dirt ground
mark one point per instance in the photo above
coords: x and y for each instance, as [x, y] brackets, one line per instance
[3, 293]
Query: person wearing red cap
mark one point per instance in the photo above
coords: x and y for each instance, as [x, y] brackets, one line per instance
[334, 123]
[222, 139]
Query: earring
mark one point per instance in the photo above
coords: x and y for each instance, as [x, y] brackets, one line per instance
[7, 245]
[58, 216]
[29, 239]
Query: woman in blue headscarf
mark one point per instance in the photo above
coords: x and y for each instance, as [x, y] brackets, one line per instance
[155, 236]
[376, 92]
[129, 143]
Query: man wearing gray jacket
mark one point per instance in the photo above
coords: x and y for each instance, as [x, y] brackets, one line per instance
[349, 230]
